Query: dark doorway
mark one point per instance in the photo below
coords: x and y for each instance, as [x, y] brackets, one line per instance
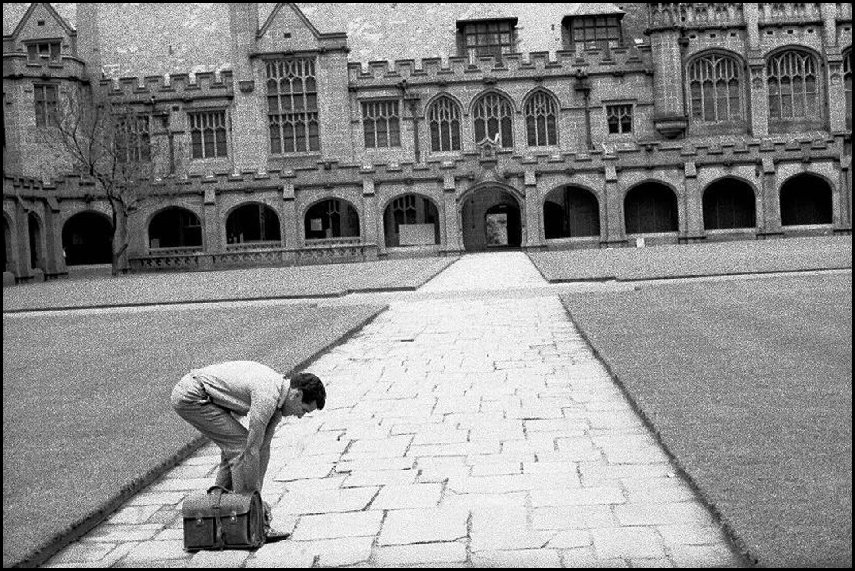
[729, 203]
[491, 218]
[805, 199]
[650, 208]
[87, 239]
[252, 223]
[175, 227]
[571, 212]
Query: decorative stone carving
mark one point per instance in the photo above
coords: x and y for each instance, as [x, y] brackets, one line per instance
[487, 148]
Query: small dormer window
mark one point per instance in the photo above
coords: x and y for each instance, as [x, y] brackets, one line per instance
[38, 50]
[593, 32]
[487, 37]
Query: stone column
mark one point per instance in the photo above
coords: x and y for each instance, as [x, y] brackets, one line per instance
[692, 228]
[841, 199]
[758, 97]
[54, 260]
[532, 211]
[22, 225]
[288, 217]
[449, 207]
[213, 235]
[369, 223]
[615, 228]
[769, 219]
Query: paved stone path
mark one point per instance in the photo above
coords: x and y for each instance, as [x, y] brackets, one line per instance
[458, 431]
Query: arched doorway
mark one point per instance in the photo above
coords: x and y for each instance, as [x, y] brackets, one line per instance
[331, 218]
[491, 218]
[571, 212]
[87, 239]
[805, 199]
[34, 229]
[650, 208]
[729, 203]
[411, 220]
[252, 223]
[175, 227]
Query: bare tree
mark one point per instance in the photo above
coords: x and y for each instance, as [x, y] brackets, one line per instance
[111, 145]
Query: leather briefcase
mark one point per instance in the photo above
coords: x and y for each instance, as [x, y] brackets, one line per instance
[219, 519]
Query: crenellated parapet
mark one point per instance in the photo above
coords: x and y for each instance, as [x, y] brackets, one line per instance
[534, 66]
[179, 86]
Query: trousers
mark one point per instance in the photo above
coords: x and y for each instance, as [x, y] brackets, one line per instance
[193, 404]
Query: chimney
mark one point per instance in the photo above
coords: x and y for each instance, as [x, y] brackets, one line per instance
[243, 25]
[89, 39]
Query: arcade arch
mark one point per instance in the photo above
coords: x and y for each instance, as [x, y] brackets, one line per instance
[650, 207]
[87, 239]
[331, 218]
[253, 222]
[411, 220]
[491, 218]
[175, 227]
[729, 203]
[571, 212]
[806, 199]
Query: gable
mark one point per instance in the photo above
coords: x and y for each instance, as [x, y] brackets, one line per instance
[41, 21]
[288, 29]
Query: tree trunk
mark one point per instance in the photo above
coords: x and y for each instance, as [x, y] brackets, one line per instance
[120, 242]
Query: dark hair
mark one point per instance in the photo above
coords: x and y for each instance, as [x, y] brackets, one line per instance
[312, 387]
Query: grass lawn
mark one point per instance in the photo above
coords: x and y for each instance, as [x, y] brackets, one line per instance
[749, 384]
[689, 260]
[330, 280]
[86, 406]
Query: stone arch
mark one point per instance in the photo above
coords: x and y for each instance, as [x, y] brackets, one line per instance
[252, 221]
[571, 211]
[651, 207]
[174, 227]
[410, 208]
[491, 215]
[87, 238]
[331, 217]
[729, 202]
[806, 199]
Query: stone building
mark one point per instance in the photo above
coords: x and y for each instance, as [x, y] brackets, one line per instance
[311, 133]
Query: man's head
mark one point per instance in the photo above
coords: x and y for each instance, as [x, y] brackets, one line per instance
[307, 394]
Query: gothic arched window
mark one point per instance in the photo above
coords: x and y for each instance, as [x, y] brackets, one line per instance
[492, 113]
[541, 120]
[793, 81]
[444, 119]
[847, 84]
[714, 87]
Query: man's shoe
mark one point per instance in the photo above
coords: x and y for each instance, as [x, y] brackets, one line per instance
[273, 535]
